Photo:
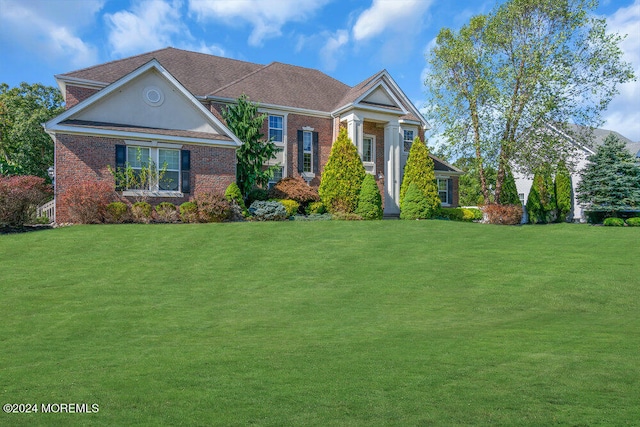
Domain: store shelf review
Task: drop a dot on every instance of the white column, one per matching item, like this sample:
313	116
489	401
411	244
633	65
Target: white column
354	129
392	170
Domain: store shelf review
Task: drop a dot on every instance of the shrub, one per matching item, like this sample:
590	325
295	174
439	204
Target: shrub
294	189
87	202
233	195
633	222
268	211
471	214
167	212
342	176
562	187
509	193
503	214
142	212
369	200
291	206
189	212
415	204
419	171
19	198
313	217
316	208
257	194
213	208
541	203
613	222
346	216
453	214
116	212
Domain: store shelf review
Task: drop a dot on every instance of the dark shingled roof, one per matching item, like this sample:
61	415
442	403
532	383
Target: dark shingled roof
139	129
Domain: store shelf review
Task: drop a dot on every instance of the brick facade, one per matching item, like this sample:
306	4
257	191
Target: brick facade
77	94
86	158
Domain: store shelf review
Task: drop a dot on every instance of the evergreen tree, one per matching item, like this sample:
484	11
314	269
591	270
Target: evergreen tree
419	171
563	191
611	180
509	194
245	122
415	205
369	201
541	203
342	176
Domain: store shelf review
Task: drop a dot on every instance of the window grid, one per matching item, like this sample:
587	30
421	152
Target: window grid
407	140
275	128
367	150
307	151
443	190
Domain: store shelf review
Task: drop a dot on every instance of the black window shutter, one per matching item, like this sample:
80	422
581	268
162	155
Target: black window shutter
300	151
121	160
316	162
185	170
450	191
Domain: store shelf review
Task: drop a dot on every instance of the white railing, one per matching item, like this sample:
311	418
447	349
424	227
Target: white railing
48	210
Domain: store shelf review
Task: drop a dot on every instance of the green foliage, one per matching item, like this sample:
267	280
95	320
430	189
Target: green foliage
495	83
470	185
189	212
452	214
509	193
233	195
257	194
611	180
245	122
268	211
313	217
541	203
315	208
142	212
419	171
613	222
139	180
291	206
472	214
563	189
346	216
342	176
116	212
415	205
167	212
633	222
369	201
25	148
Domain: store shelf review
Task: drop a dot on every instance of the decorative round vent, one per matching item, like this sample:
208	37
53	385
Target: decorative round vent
153	96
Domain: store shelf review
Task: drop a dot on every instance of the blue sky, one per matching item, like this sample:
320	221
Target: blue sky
348	39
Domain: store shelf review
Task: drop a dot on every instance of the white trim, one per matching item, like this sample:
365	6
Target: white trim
370	167
155	65
282	109
152	193
153	144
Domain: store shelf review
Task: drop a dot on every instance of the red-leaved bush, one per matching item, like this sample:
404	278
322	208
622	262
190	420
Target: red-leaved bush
212	207
503	214
19	198
87	203
294	189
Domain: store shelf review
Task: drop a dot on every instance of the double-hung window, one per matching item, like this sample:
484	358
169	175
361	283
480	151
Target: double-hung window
153	169
307	151
407	139
443	190
168	169
367	149
276	128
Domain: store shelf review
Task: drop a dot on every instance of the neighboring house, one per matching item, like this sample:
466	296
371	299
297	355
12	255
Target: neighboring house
166	105
597	137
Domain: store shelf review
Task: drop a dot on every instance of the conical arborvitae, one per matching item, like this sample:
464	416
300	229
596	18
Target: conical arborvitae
509	193
342	176
415	204
419	171
369	201
563	191
541	203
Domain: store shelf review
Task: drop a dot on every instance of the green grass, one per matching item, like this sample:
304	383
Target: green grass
326	323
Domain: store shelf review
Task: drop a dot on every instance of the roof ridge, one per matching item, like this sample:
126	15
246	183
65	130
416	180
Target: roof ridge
236	81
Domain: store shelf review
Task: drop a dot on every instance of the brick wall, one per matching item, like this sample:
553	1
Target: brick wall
76	94
85	158
323	126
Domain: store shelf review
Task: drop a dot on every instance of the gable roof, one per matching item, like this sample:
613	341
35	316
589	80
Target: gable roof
214	133
278	84
592	138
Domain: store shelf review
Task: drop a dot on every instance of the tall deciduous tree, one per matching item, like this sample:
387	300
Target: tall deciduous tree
419	170
245	122
562	184
611	180
25	148
498	82
342	176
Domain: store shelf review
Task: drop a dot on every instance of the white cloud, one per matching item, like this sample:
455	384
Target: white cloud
51	30
399	16
623	114
266	16
332	48
149	25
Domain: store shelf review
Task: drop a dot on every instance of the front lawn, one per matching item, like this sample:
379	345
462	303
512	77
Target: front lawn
323	323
